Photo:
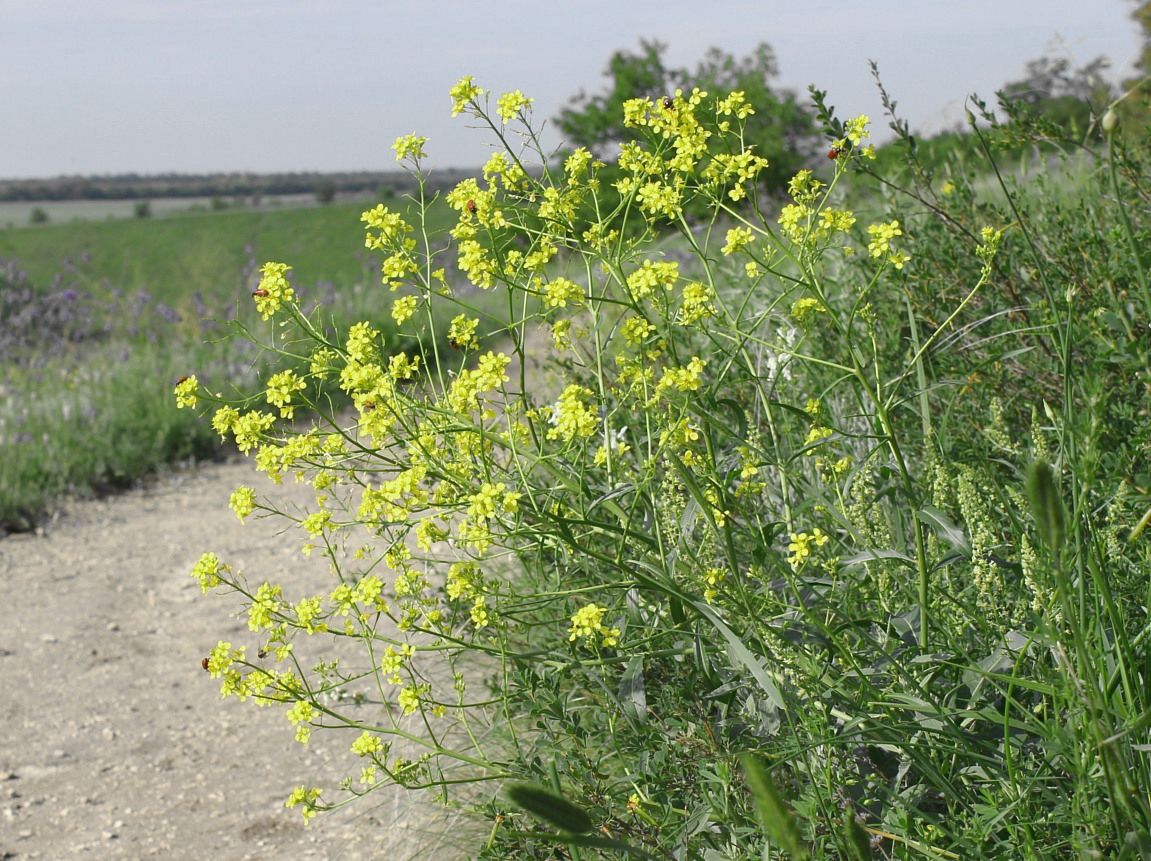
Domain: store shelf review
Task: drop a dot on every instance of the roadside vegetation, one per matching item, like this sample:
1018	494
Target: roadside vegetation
820	534
671	513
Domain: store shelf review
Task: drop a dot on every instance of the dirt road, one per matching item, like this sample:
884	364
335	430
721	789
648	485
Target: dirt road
114	742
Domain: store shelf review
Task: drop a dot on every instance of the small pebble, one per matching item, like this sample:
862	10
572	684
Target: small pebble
113	626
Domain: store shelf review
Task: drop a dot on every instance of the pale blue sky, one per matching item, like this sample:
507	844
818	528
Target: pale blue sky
103	86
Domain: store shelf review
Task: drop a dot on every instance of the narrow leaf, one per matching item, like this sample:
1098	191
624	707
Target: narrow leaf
774	815
550	807
857	840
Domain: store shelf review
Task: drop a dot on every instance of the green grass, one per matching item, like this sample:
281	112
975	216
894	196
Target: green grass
86	404
209	253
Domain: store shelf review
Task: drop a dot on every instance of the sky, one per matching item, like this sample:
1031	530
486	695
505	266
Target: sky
150	86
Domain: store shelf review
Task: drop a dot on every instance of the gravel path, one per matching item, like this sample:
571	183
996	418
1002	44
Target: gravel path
114	742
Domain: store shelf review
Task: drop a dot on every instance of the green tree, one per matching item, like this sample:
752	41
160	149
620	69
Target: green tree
325	191
1054	91
782	129
1135	108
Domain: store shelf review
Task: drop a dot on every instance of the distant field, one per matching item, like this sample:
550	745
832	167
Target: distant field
15	214
210	253
113	312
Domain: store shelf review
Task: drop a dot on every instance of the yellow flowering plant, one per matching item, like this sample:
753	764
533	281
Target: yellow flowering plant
521	528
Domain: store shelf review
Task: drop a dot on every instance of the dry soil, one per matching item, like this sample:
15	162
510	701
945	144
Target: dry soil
114	742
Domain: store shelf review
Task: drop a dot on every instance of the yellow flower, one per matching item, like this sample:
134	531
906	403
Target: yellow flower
881	236
697	303
280	389
224	420
410	146
185	392
242	502
510	104
738	238
367	744
207	571
559	292
273	290
571	416
464	93
403	309
462	332
587	624
685	379
799	549
266	602
305	797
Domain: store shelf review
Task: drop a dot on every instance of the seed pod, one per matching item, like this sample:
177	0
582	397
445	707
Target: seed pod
1046	504
1110	121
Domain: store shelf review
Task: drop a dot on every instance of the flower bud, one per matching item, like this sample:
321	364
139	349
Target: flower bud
1110	121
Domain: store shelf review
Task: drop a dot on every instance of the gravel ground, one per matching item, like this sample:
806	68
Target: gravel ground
114	742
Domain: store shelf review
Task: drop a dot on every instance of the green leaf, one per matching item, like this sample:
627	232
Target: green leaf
774	815
857	840
741	654
945	530
632	691
550	807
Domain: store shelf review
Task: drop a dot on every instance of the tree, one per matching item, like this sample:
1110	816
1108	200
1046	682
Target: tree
1052	90
782	130
325	191
1136	107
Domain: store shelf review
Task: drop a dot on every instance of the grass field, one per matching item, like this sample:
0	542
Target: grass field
18	213
98	319
210	253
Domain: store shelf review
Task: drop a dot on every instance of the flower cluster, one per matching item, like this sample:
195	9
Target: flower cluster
273	290
587	626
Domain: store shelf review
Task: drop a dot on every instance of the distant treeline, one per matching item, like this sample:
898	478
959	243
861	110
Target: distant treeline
133	186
